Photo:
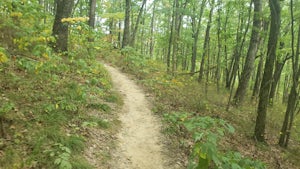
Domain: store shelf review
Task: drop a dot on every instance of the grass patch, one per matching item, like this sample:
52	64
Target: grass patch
99	106
96	122
42	97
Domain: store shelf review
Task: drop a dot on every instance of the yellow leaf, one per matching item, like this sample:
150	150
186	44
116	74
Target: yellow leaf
16	14
203	155
78	28
3	57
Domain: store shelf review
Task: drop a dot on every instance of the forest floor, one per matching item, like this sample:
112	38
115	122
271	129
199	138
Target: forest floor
139	142
172	98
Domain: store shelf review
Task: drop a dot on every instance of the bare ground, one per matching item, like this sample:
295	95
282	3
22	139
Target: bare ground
139	142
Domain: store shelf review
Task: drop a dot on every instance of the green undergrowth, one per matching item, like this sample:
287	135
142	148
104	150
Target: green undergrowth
44	109
190	115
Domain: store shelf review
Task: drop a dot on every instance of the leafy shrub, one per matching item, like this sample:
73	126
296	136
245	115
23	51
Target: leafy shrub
206	132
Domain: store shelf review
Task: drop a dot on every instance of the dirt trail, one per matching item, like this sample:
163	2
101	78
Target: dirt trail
140	138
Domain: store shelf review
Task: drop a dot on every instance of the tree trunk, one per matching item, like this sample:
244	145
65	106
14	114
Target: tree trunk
177	24
175	34
226	71
152	43
171	39
234	65
277	73
195	35
120	42
294	95
286	86
132	39
92	13
289	117
60	30
218	69
126	33
259	72
258	77
251	54
206	42
92	18
268	71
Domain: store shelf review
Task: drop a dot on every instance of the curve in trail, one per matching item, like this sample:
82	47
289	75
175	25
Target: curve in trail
139	139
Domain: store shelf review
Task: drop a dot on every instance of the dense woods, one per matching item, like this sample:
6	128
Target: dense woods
247	49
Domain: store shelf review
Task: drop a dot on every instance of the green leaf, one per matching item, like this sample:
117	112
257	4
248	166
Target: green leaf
6	107
235	166
57	161
230	128
65	165
198	136
203	161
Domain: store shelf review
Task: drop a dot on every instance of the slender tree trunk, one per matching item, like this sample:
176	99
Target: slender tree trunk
152	43
218	69
238	48
92	13
171	39
126	34
268	71
177	24
206	42
143	44
251	54
60	30
235	58
195	35
286	87
276	77
175	35
120	42
226	72
289	117
133	36
258	78
92	18
294	95
259	72
43	4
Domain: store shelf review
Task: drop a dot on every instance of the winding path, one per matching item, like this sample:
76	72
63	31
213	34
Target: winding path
140	138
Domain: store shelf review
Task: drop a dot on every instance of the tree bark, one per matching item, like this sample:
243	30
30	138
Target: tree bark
259	72
251	54
126	33
152	43
206	42
171	37
132	39
175	34
258	77
276	77
60	30
289	117
294	95
240	40
286	86
218	70
195	35
268	71
92	13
